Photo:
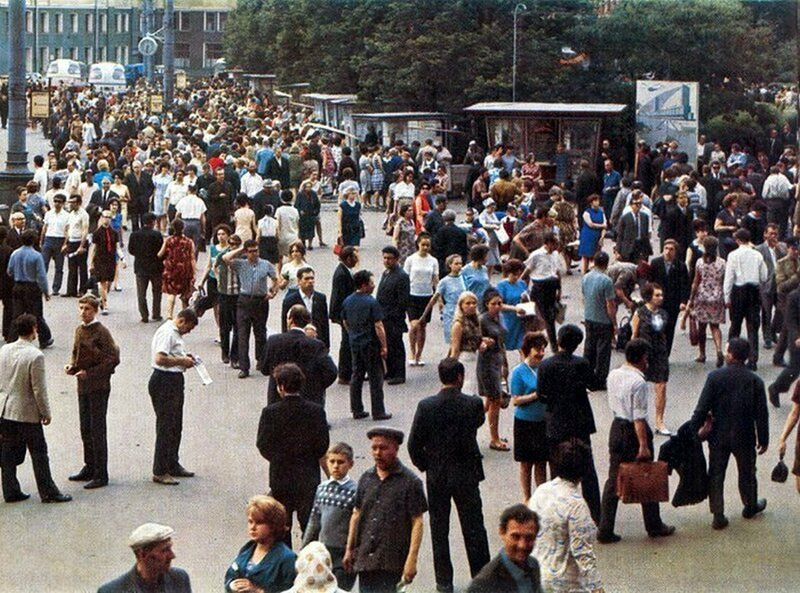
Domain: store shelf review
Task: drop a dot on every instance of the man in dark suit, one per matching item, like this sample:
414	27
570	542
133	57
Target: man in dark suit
771	250
443	444
585	185
315	302
393	293
278	168
774	146
293	436
144	245
6	283
671	273
219	202
564	380
735	398
449	240
310	354
633	231
677	223
343	286
140	188
518	528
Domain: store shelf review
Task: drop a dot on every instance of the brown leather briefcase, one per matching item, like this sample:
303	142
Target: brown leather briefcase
643	481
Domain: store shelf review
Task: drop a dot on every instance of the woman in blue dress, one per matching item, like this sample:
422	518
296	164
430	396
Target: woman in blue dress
447	292
350	219
476	274
594	225
514	291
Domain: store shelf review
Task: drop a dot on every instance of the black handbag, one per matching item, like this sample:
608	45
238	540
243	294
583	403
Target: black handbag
624	333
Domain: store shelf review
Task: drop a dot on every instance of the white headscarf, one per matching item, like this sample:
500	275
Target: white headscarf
314	573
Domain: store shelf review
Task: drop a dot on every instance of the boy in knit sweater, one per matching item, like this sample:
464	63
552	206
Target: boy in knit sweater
333	506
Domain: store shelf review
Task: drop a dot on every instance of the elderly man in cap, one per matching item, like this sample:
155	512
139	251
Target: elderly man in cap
386	525
152	545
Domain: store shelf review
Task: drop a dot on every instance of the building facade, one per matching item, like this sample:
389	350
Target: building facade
93	31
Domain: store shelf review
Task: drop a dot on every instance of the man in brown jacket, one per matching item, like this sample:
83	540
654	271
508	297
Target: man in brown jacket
95	355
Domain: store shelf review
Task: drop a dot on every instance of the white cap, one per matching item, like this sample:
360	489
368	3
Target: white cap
488	202
149	533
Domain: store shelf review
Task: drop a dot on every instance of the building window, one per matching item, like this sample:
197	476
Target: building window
103	54
104	23
89	23
118	22
211	21
211	53
28	21
59	23
44	23
118	54
125	55
89	55
223	18
28	59
183	21
44	58
73	21
73	53
182	55
59	53
126	22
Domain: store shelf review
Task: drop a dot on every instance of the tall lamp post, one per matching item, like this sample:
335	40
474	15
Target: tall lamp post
517	9
148	29
169	53
16	171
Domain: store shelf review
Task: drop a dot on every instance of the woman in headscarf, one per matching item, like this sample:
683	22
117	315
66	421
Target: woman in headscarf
314	574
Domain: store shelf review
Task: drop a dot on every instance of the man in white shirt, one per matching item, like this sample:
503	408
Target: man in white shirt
251	181
40	173
76	232
169	361
630	439
53	239
543	267
193	212
777	193
745	272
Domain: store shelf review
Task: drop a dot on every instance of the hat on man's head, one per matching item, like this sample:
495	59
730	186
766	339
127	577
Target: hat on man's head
388	432
488	202
149	533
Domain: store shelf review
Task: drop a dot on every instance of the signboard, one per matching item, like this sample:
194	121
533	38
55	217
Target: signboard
180	80
156	103
668	110
40	104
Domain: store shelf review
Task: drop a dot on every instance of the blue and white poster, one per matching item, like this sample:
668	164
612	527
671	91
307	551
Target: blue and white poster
668	110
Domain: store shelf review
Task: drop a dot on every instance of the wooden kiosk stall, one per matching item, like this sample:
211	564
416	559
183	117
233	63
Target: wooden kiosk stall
539	127
405	126
325	106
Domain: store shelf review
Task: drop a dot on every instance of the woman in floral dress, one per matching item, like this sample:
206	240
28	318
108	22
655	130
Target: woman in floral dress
404	235
706	303
179	267
566	221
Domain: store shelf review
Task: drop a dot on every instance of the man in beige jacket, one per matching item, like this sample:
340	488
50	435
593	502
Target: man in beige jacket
24	410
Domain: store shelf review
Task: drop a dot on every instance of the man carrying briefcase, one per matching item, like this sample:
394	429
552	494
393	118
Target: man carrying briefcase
630	439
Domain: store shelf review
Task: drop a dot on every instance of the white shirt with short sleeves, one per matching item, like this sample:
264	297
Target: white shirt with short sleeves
56	223
191	208
628	393
422	273
169	341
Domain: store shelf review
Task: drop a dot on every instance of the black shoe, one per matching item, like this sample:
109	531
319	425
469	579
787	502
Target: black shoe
360	415
720	521
46	344
663	531
96	483
159	318
57	498
608	538
396	381
767	344
84	475
244	374
444	588
225	359
144	320
383	416
18	497
750	512
774	397
778	362
235	364
720	359
341	381
181	472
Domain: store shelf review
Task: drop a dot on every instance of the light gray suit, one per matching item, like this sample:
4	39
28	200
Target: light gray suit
770	326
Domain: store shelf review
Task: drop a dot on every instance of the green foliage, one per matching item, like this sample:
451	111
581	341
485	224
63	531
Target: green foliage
739	126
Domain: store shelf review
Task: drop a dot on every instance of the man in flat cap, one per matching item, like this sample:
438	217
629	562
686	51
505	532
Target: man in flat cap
386	525
152	545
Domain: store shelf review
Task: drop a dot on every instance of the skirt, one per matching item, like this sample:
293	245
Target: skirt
416	307
490	375
469	360
268	249
530	441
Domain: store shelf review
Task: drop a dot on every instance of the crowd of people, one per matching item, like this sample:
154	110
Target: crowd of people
238	185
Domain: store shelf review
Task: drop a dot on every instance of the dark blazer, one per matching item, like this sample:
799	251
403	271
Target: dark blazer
563	384
627	238
144	245
442	440
97	198
293	436
393	295
14	239
309	354
342	286
792	317
448	240
140	191
6	281
676	285
495	578
319	313
279	171
780	253
676	225
175	581
736	398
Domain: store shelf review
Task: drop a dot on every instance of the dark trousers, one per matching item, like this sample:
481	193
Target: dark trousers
345	361
718	456
378	581
135	217
92	409
470	514
51	250
768	322
778	213
623	446
746	306
141	295
227	326
779	325
300	500
8	310
543	293
367	359
790	372
396	349
27	298
251	313
166	393
30	436
78	276
344	579
590	485
597	350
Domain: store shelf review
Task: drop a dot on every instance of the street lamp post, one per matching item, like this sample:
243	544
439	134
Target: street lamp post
169	53
148	29
16	172
517	9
